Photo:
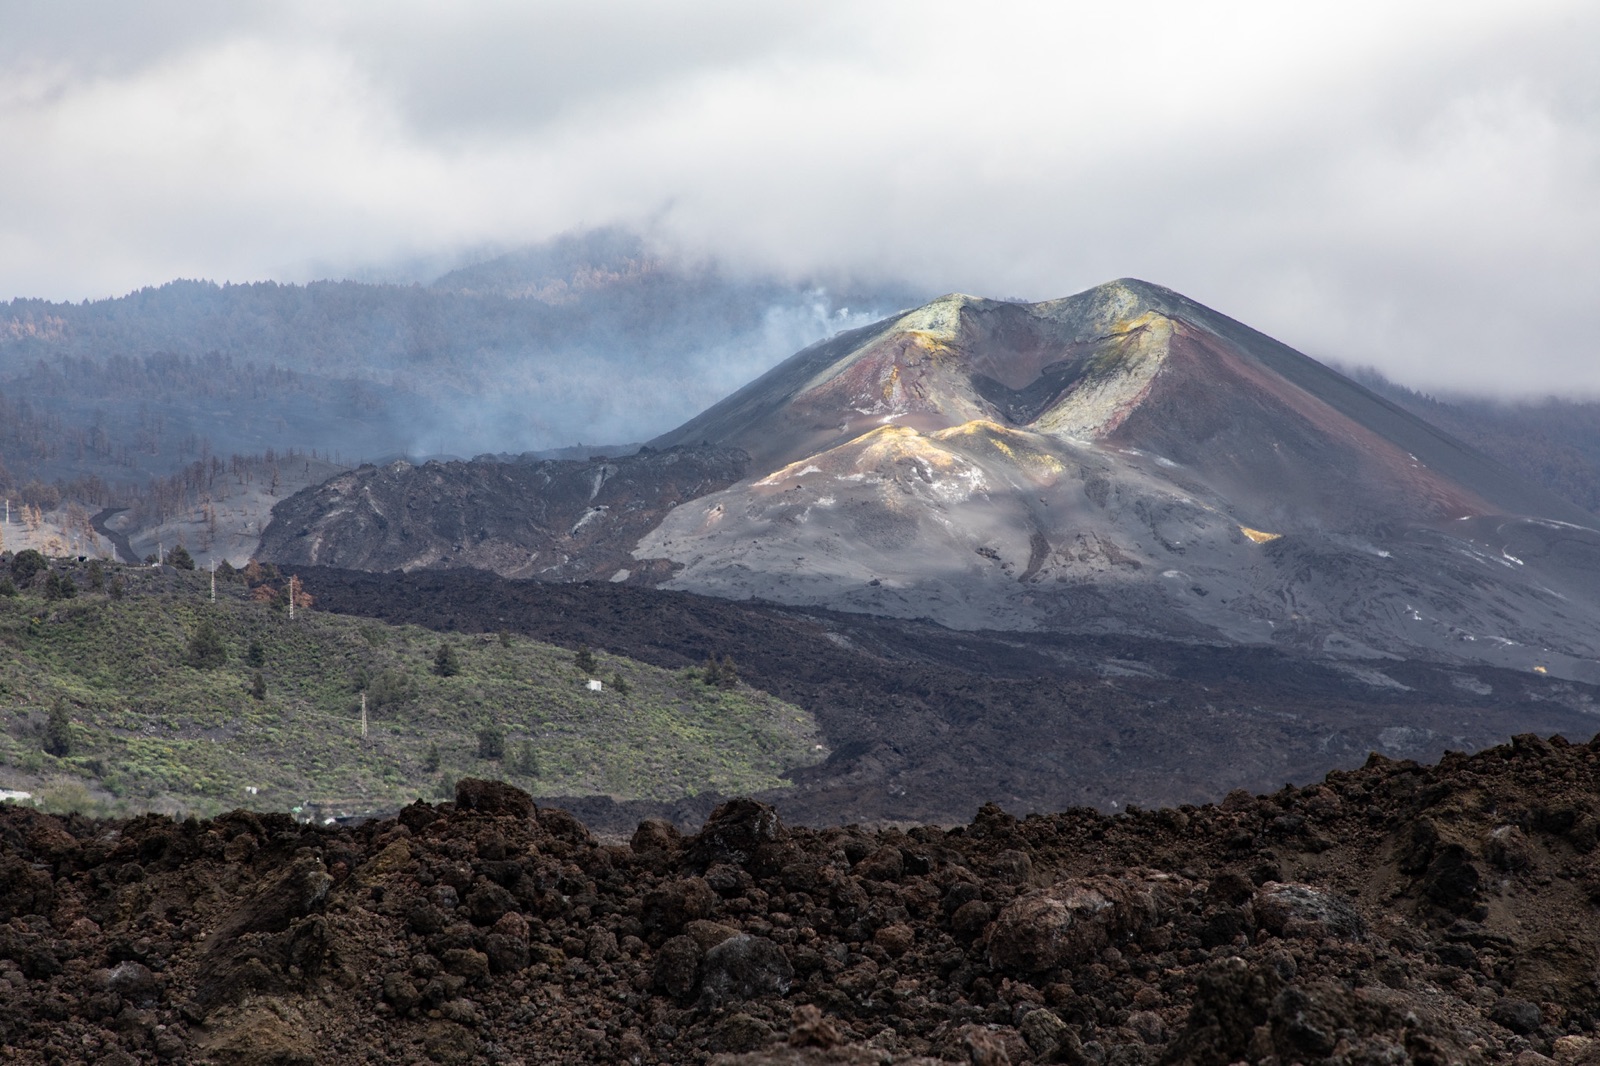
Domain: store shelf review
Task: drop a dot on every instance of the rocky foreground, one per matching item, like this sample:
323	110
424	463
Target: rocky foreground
1393	914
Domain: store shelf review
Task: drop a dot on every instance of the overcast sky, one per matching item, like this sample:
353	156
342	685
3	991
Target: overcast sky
1414	186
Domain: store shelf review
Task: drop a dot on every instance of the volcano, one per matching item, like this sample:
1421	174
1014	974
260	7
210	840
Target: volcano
1134	369
1123	461
1128	460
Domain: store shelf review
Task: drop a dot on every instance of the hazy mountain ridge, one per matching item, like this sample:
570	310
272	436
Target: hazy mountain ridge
521	351
518	353
1556	441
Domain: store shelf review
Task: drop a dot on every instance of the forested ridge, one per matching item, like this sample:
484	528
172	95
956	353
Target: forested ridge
587	339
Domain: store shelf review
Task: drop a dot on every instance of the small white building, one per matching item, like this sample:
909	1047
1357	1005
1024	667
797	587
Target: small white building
595	686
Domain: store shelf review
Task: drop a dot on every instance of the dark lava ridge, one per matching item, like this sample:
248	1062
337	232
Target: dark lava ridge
547	519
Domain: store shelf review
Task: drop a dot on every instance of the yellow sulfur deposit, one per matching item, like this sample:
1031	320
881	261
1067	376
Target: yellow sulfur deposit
1258	536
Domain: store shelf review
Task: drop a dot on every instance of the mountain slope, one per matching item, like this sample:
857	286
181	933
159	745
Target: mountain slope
1120	461
352	716
1130	364
554	520
1136	462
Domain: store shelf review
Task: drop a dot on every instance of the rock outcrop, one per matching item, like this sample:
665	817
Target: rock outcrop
553	520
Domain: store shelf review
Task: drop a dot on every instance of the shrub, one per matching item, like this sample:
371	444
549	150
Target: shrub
97	575
491	743
258	686
206	649
619	683
26	564
527	760
7	587
720	672
59	586
180	559
445	663
584	660
430	762
59	736
391	688
119	587
255	655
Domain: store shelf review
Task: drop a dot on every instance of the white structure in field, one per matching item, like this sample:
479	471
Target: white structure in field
595	686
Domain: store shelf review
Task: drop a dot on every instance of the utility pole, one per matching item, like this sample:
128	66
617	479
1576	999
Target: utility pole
363	716
291	597
213	581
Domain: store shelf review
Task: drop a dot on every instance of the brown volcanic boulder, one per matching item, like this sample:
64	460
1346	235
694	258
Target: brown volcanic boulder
675	903
296	893
655	835
492	797
24	889
744	966
1075	920
734	831
677	966
272	941
1302	911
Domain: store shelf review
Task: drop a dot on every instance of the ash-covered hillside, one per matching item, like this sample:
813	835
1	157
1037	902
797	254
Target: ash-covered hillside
554	520
1394	914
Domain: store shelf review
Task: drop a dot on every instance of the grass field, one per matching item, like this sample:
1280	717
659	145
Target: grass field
151	728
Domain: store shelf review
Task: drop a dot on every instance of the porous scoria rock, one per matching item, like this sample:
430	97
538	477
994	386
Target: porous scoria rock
1385	915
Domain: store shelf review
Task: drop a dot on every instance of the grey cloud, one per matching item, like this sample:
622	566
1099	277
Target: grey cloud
504	71
1410	186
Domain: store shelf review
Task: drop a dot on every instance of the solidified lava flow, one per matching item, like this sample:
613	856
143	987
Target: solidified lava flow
1391	914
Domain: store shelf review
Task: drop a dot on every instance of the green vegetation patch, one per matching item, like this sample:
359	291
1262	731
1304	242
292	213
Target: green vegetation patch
158	699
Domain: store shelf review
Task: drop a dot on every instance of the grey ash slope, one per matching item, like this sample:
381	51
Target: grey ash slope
554	520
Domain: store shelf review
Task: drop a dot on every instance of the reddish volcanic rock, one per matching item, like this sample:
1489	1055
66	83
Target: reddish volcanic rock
1210	934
